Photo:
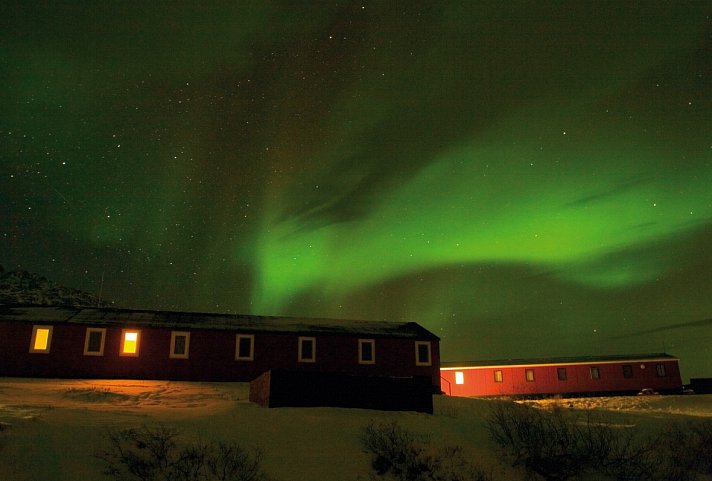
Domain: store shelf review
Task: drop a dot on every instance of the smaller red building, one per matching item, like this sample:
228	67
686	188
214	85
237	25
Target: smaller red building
595	375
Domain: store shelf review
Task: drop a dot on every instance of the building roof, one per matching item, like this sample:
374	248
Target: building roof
559	360
194	320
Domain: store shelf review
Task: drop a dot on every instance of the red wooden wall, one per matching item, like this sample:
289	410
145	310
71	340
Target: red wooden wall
211	355
480	381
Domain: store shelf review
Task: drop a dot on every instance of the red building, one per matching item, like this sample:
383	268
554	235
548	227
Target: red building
71	342
574	375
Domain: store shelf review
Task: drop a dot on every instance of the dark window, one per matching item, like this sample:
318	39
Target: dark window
660	369
422	353
498	376
179	345
595	373
307	349
245	347
529	374
627	371
561	373
94	342
366	351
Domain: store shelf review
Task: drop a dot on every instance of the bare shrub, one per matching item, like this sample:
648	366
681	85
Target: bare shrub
685	451
406	456
558	445
702	433
3	427
153	453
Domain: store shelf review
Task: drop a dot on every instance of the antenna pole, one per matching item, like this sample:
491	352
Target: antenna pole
101	290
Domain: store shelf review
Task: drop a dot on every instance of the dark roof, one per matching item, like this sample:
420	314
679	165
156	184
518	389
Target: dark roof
560	360
194	320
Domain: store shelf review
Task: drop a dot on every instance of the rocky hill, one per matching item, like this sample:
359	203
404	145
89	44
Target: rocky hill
22	287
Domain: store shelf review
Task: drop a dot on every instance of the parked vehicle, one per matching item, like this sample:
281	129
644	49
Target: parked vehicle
647	391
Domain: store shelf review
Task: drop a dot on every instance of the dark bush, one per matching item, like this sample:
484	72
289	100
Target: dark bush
558	445
684	451
154	454
702	433
399	454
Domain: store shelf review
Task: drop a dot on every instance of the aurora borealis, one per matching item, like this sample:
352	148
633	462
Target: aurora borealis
522	179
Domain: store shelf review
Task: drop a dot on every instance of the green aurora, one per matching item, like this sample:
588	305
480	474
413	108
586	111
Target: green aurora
522	179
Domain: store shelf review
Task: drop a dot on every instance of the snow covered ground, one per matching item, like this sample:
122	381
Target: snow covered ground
51	428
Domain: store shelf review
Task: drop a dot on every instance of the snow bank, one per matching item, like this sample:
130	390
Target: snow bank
52	427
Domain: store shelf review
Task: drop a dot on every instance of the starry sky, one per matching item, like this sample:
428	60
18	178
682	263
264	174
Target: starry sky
525	179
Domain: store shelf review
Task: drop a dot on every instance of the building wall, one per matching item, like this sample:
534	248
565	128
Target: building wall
480	381
211	355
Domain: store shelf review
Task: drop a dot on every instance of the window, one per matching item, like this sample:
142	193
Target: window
180	343
41	339
307	349
459	377
498	375
529	374
660	368
595	373
627	371
422	353
130	340
366	351
245	347
561	373
94	341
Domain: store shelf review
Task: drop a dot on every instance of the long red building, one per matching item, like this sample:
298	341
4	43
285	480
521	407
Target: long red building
621	374
72	342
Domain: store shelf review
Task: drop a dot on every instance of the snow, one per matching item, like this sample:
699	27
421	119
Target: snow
50	428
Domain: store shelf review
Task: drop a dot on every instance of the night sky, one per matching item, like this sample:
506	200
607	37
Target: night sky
522	179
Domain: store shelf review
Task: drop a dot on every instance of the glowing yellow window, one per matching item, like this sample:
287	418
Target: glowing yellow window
130	342
459	377
41	339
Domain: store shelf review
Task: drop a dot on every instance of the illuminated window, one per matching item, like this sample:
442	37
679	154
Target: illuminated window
459	377
498	375
41	339
366	351
180	342
245	347
529	374
307	349
94	341
130	340
561	373
595	373
660	369
422	353
627	371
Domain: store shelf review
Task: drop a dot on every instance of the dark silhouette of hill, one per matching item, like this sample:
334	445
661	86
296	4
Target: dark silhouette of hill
22	287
